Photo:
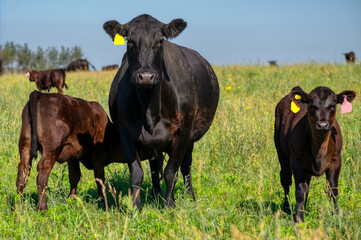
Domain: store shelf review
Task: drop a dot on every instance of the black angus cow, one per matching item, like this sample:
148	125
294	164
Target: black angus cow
350	57
162	99
309	142
273	63
79	64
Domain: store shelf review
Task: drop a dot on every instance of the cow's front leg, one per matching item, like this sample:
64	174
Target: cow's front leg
135	168
45	166
302	189
332	175
176	157
74	175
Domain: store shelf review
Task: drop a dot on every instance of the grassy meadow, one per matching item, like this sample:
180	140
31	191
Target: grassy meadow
235	169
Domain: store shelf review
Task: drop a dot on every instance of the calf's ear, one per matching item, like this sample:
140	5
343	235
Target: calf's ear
113	27
348	93
298	96
174	28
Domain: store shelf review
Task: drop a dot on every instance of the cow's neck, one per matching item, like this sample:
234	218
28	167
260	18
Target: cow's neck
149	102
321	146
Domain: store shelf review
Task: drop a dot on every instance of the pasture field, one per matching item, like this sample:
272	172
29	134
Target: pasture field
235	169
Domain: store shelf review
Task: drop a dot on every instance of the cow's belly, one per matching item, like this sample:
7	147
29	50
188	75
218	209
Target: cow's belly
158	141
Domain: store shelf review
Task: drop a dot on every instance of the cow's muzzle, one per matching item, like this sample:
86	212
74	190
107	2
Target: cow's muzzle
322	126
146	79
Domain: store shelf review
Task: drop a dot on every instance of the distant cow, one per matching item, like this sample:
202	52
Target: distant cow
44	80
273	63
309	142
110	67
79	64
67	129
162	99
350	57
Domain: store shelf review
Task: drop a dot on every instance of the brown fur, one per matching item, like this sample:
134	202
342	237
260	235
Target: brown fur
309	142
110	67
44	80
65	129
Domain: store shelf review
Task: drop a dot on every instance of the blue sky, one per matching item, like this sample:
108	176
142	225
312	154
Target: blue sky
224	31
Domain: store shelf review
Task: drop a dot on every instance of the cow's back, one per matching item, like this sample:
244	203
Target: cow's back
70	118
285	122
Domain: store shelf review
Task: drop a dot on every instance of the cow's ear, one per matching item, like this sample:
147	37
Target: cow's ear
174	28
113	27
298	96
348	93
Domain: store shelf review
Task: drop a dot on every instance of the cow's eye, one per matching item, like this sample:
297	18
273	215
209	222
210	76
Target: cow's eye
312	107
130	44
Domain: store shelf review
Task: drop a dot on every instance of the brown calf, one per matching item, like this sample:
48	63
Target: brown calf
67	129
44	80
110	67
309	142
350	57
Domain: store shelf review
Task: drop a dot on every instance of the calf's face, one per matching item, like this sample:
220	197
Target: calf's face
321	104
144	35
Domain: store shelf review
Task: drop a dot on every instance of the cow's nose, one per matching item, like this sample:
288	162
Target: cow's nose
324	125
146	78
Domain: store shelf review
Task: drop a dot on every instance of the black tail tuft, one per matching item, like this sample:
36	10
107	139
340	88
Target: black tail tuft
33	99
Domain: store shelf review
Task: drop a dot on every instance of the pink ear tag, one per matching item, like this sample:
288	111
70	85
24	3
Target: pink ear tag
27	74
346	106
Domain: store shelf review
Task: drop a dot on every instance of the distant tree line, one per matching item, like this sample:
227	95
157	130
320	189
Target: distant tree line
16	57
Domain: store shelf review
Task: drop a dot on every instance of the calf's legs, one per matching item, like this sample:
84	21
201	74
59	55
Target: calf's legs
45	166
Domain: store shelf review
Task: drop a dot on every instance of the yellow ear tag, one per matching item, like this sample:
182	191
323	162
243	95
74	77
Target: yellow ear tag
119	39
294	107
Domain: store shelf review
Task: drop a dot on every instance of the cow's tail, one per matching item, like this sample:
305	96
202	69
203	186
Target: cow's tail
91	65
64	75
33	100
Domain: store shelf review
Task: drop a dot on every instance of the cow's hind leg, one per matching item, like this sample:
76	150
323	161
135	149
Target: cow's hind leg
156	165
186	172
45	166
286	179
25	163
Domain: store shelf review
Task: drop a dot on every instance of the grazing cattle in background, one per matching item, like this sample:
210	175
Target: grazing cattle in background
79	64
273	63
44	80
110	67
309	142
162	99
350	57
67	129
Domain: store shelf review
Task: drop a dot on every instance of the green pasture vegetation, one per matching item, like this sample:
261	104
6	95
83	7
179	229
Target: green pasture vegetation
235	169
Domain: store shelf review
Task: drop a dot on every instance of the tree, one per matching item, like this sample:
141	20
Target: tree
76	53
52	57
23	57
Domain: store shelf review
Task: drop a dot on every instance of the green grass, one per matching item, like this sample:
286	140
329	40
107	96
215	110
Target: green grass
235	169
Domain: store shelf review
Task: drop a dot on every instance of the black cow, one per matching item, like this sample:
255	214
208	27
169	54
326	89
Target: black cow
162	99
79	64
273	63
350	57
309	142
